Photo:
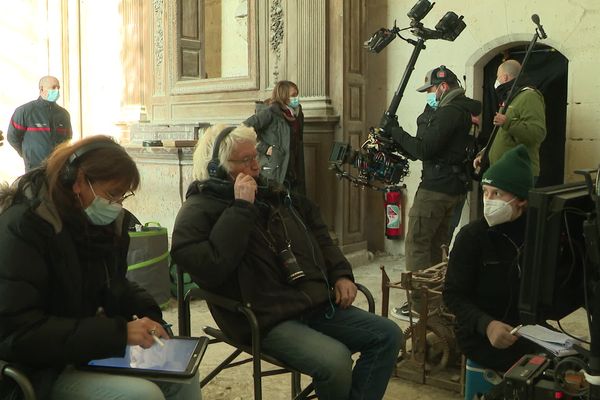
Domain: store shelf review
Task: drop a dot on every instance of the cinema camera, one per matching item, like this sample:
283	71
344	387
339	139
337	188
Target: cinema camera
379	158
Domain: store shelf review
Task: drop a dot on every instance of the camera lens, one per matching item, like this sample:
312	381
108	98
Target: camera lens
291	266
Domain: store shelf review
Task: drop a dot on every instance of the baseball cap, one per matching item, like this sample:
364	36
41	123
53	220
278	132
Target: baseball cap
437	76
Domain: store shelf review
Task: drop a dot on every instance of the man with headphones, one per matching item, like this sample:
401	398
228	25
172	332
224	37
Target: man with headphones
441	143
266	247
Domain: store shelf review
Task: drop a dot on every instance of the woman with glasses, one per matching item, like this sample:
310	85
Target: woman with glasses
279	125
64	298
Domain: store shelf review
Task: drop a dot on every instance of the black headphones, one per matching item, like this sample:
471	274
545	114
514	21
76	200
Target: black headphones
69	174
215	170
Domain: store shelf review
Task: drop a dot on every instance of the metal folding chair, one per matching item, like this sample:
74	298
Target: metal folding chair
7	370
183	300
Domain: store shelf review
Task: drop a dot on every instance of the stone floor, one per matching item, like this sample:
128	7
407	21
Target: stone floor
236	383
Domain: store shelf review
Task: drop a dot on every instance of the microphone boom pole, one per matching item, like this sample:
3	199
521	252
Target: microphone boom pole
485	159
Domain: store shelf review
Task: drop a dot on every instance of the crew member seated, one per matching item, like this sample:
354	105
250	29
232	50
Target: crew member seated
271	249
483	275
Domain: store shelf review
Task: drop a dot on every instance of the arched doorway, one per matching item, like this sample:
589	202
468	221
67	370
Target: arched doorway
547	70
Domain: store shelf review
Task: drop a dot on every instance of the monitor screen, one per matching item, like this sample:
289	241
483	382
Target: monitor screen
554	256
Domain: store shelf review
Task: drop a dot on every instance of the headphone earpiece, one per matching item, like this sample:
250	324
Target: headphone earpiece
214	167
69	173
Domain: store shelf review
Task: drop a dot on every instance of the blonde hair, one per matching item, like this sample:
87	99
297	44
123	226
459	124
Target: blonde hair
281	93
204	150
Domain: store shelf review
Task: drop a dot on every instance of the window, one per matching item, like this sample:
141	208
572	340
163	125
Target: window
212	39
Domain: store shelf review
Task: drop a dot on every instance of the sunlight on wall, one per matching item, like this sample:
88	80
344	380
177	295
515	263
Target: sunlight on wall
234	45
102	75
31	32
23	27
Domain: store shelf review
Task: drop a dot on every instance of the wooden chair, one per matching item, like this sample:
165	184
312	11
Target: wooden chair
183	300
7	370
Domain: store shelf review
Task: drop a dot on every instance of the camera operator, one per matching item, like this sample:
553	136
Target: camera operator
264	247
441	142
483	276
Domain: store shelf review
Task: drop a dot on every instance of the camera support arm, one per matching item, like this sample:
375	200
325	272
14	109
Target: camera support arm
390	114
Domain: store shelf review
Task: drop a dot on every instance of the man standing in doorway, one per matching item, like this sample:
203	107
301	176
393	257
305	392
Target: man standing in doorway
524	121
441	141
37	127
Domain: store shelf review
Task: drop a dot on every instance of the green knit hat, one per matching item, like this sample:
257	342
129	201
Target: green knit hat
511	173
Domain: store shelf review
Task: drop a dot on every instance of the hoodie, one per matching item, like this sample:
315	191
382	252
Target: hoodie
441	142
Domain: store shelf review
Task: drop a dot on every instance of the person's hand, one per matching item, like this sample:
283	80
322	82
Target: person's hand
499	119
388	125
140	331
270	151
475	119
477	162
499	335
244	187
345	292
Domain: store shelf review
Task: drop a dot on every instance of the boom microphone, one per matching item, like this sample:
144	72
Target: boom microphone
536	20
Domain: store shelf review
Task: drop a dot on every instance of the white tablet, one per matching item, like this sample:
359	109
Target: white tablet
179	357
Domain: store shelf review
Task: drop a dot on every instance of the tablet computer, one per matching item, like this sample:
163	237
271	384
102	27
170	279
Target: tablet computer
178	358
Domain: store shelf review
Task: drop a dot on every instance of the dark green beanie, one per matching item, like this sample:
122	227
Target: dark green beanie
511	173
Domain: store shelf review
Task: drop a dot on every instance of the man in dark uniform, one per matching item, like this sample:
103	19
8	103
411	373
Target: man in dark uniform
441	141
37	127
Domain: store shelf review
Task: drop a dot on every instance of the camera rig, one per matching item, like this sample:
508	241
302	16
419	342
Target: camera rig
379	158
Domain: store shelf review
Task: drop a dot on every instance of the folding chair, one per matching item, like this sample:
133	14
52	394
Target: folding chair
183	301
10	371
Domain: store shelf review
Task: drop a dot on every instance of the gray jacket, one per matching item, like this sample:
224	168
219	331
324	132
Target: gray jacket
273	129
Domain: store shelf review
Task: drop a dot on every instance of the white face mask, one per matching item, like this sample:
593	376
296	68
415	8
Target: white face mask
496	84
497	211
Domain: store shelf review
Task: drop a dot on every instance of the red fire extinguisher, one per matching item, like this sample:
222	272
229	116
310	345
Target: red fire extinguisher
393	213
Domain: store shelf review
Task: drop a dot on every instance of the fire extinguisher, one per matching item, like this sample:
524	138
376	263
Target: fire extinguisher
393	213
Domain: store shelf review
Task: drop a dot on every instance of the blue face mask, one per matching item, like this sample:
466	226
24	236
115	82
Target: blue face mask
102	211
294	102
432	100
53	95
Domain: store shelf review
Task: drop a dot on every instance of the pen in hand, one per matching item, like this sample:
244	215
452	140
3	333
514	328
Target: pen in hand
516	329
152	332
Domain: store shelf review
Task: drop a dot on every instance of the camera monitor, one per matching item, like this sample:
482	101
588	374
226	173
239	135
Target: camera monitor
554	255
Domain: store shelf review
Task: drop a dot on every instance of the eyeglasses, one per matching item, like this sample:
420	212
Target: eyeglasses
121	199
247	161
111	199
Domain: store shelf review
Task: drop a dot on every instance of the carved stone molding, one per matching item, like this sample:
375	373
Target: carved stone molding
276	33
159	43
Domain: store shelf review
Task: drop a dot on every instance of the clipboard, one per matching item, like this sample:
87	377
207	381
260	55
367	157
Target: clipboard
556	343
179	358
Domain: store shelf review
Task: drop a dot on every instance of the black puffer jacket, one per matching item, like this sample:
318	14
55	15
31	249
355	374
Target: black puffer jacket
482	285
36	128
55	273
226	247
441	143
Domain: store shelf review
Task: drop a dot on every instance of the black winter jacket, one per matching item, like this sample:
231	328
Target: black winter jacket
441	143
36	128
226	246
55	273
483	282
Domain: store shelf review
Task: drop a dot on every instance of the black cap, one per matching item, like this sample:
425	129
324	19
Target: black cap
437	76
